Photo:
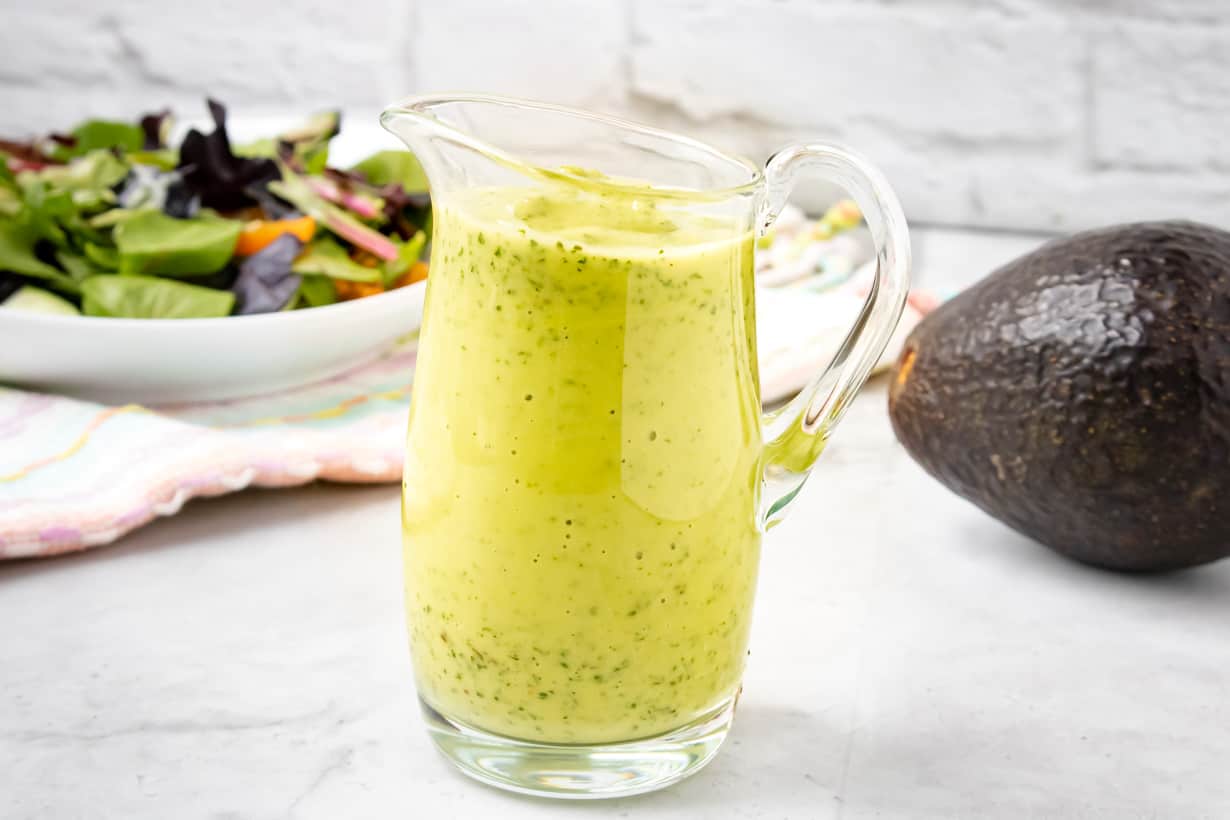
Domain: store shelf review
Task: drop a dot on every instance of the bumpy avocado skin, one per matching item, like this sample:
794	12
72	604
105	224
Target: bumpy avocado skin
1081	394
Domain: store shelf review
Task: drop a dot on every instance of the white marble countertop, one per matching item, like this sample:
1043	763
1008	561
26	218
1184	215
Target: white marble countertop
911	658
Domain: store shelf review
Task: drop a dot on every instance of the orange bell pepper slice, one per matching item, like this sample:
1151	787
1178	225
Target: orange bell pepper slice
347	290
259	233
416	273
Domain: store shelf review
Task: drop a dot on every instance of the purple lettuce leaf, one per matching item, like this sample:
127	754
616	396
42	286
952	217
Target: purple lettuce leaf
266	283
25	155
154	127
211	169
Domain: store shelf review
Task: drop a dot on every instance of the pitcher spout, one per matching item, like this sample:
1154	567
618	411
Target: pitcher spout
470	140
422	135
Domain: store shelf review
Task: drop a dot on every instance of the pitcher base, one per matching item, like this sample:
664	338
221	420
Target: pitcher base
577	771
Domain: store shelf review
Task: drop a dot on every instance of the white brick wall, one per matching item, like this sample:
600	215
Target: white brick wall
1048	114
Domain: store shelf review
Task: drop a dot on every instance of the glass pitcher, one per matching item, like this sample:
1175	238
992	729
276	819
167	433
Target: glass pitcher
588	472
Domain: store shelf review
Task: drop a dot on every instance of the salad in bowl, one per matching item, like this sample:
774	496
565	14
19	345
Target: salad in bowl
132	269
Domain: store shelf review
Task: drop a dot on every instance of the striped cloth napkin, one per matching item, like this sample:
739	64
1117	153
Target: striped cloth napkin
75	475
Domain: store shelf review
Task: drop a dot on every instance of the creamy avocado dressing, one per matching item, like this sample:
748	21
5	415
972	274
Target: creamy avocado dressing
583	463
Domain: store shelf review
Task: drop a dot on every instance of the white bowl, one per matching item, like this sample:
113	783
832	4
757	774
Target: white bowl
152	361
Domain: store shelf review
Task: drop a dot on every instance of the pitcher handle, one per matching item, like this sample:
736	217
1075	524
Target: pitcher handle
795	435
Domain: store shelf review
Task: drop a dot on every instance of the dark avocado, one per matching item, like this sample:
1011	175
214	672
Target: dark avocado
1081	394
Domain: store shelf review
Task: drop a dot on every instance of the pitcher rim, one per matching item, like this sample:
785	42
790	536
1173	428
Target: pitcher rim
419	105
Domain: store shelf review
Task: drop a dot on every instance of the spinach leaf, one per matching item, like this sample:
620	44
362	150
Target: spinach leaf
146	297
325	257
80	231
153	243
95	134
89	178
95	171
102	256
43	210
266	282
17	256
76	265
55	199
317	291
400	167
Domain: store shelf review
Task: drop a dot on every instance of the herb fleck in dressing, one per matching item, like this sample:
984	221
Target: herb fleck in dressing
582	464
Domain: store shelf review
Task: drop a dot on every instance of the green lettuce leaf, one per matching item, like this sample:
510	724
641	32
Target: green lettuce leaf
10	201
112	217
147	297
408	253
264	148
325	257
102	256
400	167
310	141
307	143
44	208
10	192
17	256
164	159
317	291
77	266
93	135
153	243
94	171
55	199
